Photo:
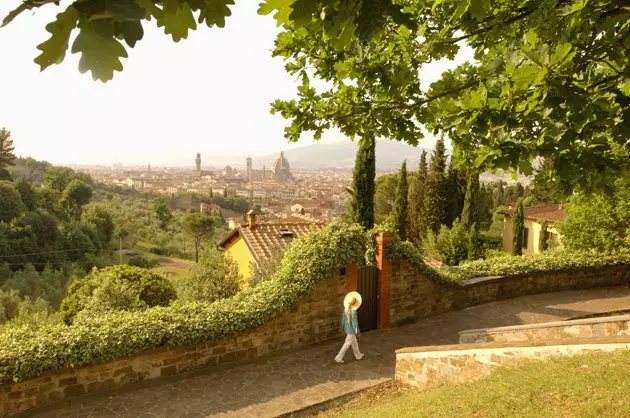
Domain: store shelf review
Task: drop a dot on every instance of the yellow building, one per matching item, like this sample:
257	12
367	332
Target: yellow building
553	214
252	243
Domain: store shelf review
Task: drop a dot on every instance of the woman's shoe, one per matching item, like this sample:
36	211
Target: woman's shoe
339	361
359	358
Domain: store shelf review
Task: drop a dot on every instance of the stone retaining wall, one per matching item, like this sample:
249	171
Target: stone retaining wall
424	366
416	296
313	320
583	328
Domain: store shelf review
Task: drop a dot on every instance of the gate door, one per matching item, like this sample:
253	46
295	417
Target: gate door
367	286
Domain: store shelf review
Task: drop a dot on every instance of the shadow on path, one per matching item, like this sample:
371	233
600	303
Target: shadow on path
274	385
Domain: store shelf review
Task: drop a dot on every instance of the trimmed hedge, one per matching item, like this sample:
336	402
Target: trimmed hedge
311	259
551	260
509	265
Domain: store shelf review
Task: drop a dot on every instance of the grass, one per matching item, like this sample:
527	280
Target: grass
589	385
173	267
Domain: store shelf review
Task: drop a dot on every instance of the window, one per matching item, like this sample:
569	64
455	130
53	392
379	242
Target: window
554	240
525	237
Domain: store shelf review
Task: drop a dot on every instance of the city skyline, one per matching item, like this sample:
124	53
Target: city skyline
156	110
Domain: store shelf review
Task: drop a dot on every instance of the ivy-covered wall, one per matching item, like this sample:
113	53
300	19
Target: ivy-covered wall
314	319
417	295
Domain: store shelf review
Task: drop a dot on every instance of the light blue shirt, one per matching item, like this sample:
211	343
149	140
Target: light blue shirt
350	327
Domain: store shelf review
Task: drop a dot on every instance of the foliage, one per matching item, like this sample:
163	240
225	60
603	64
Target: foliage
551	260
58	178
470	211
215	278
48	285
416	201
401	205
200	227
75	195
450	245
363	187
27	194
11	205
473	243
600	221
543	238
384	196
542	70
99	219
30	170
144	262
311	259
454	192
435	197
7	155
162	211
149	289
518	227
265	268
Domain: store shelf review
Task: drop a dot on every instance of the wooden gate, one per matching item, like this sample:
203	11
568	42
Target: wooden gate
367	286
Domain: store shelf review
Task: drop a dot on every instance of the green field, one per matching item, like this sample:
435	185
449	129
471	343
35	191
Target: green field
590	385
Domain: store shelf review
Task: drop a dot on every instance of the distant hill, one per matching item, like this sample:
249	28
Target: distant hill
341	155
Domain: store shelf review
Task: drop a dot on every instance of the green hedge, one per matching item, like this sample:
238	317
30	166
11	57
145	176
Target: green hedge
312	259
552	260
509	265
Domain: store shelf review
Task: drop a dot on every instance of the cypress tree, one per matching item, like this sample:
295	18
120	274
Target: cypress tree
363	187
518	228
416	202
401	204
435	202
470	212
543	243
473	243
455	189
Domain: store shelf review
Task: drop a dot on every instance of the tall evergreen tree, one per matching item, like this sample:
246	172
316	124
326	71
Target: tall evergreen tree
7	157
470	212
363	186
435	202
455	190
498	195
518	228
401	204
543	239
416	202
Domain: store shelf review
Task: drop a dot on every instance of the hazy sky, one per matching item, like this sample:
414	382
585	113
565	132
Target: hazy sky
209	93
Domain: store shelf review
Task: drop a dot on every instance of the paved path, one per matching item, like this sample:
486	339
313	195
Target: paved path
285	383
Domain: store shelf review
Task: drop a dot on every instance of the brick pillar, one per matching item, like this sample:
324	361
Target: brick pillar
384	266
352	277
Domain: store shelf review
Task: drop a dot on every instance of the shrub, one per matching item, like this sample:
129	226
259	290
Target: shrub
450	246
216	278
312	259
150	288
551	260
144	262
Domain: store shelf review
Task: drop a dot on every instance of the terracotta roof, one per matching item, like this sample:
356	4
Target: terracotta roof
263	240
550	213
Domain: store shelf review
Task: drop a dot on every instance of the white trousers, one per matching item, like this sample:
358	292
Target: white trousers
351	340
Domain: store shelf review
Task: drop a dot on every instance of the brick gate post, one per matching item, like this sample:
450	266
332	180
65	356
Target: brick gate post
384	266
352	277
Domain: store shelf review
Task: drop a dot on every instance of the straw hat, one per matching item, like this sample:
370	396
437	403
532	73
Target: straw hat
348	299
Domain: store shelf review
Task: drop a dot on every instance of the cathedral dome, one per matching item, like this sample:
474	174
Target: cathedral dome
281	163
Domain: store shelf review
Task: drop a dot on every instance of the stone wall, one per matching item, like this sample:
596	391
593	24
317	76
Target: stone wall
583	328
313	320
414	295
424	366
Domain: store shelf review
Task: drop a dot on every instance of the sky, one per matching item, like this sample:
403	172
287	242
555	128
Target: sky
209	93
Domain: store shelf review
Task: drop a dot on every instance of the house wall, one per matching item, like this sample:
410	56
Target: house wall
533	236
240	253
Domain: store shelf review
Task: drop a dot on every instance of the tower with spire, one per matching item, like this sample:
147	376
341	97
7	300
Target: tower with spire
198	164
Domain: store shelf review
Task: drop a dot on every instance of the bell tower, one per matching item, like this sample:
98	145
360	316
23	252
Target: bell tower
198	164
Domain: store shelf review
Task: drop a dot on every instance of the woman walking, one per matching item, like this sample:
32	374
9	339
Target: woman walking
350	325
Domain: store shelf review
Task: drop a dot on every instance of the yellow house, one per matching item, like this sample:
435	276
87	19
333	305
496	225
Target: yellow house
252	243
553	214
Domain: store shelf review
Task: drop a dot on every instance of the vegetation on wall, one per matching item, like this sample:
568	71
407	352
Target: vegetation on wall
311	259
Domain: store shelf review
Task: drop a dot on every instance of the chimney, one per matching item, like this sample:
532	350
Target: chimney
251	218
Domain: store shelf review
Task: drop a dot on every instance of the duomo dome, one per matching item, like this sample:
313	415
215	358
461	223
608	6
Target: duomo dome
281	168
